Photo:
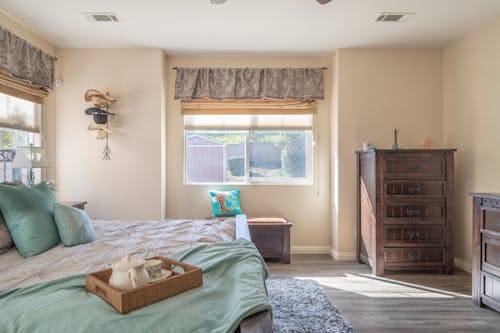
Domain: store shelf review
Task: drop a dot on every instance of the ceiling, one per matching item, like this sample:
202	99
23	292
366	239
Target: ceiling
251	26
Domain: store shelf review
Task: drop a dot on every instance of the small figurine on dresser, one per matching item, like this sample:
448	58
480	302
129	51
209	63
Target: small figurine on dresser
425	143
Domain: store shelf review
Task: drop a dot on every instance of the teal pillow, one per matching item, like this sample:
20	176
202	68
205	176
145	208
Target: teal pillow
225	203
27	211
73	224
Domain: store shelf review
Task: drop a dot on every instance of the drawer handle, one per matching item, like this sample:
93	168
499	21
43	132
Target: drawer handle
413	212
413	168
414	190
414	257
414	235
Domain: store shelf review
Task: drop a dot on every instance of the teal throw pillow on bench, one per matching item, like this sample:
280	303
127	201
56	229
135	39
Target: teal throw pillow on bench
73	224
225	203
27	211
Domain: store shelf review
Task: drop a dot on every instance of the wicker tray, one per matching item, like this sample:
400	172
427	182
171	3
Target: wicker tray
126	301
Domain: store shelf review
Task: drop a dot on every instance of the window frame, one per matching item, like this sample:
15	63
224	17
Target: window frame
31	135
307	181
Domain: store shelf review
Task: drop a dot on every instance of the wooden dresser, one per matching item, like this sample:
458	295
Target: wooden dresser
486	250
405	209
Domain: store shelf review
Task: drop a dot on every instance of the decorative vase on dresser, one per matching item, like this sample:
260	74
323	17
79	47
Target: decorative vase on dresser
486	250
405	209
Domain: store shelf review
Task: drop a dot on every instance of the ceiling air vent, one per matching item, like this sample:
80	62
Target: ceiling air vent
101	17
393	17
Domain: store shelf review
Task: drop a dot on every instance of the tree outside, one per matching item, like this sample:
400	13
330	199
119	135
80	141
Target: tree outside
293	156
6	139
10	139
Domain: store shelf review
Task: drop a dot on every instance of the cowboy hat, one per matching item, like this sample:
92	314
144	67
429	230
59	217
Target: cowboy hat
100	116
92	93
101	132
95	127
98	99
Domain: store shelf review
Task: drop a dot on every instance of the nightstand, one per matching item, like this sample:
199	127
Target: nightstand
271	236
76	204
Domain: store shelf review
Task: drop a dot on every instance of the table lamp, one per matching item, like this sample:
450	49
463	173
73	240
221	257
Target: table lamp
30	158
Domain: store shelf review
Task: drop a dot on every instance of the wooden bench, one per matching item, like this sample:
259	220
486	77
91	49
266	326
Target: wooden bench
271	236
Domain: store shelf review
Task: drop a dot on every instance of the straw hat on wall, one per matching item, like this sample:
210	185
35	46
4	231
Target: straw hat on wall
98	99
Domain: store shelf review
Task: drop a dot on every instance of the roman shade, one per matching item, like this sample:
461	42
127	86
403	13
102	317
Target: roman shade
20	89
25	70
265	106
249	122
249	83
248	114
19	114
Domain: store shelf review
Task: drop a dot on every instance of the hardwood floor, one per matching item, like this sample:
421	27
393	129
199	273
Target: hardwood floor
404	302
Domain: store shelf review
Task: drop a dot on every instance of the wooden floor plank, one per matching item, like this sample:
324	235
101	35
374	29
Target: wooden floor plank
397	302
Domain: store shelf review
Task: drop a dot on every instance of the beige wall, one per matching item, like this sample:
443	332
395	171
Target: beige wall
334	164
49	107
129	185
379	90
471	122
451	97
25	32
308	207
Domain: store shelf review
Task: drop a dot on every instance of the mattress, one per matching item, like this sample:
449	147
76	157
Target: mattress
115	239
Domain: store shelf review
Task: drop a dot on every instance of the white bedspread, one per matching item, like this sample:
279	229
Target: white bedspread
114	239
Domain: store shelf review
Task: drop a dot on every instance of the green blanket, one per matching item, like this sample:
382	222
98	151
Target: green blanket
233	288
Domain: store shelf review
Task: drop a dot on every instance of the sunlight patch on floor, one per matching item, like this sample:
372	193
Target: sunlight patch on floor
373	286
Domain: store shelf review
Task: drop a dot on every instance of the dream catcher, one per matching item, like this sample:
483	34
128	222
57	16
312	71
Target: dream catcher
100	117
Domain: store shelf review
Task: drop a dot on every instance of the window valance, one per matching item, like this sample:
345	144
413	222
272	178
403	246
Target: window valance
206	107
249	83
26	63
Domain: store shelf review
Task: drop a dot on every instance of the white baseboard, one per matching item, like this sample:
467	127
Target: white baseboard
343	256
340	256
351	256
310	249
462	264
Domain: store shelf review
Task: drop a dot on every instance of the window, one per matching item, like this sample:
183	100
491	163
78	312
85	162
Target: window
19	126
248	149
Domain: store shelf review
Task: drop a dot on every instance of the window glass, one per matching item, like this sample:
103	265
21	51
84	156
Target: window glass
17	113
278	155
215	156
248	156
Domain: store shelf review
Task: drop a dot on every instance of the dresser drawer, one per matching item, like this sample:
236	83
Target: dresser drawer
425	257
490	290
418	213
407	236
431	168
490	255
492	220
404	189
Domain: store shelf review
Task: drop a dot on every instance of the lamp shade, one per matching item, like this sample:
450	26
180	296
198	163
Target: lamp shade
30	157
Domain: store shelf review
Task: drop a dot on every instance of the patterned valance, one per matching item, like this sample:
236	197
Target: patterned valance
23	61
249	83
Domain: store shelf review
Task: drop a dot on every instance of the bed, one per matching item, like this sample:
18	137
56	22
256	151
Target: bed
142	239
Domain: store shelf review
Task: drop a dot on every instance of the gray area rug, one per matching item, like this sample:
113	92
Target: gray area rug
303	306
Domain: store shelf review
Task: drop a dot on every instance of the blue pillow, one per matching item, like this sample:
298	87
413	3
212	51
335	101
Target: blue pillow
73	224
225	203
27	211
